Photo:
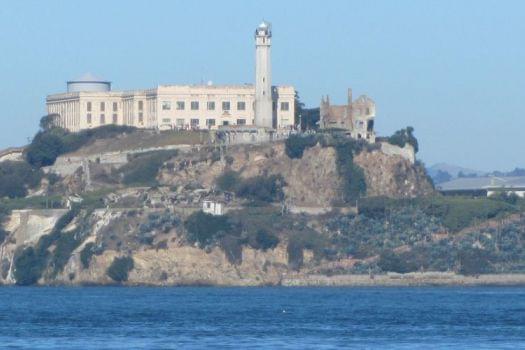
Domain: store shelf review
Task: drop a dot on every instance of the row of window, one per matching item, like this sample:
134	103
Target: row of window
194	122
89	106
210	106
181	105
102	118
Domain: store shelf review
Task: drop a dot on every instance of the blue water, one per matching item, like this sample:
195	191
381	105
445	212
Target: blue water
294	318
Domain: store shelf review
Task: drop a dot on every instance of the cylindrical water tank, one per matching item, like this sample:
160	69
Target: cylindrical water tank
89	83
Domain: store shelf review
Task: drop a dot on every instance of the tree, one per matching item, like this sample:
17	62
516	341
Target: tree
16	178
119	269
205	229
228	181
44	149
49	121
298	109
474	261
441	176
402	137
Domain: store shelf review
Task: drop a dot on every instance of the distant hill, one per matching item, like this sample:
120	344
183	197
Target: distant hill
443	172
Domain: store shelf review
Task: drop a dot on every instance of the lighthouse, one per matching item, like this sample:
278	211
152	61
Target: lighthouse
263	76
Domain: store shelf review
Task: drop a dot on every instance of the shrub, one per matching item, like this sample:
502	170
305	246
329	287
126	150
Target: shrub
402	137
353	177
205	229
264	240
390	261
296	144
232	247
143	168
44	149
28	266
64	246
295	253
119	269
473	261
261	188
31	262
16	178
228	181
51	142
86	254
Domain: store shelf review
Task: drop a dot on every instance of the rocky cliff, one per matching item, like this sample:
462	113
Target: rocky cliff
147	222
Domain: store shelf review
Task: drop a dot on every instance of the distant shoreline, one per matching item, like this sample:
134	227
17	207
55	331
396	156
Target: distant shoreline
414	279
409	280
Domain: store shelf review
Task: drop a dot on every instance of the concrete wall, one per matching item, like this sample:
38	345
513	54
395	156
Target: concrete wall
406	152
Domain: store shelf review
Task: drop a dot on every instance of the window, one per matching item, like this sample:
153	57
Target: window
141	105
115	106
180	122
241	106
225	122
88	118
115	118
180	105
285	106
102	119
166	105
226	105
88	107
211	106
141	118
210	122
194	105
166	120
368	111
241	121
194	122
102	106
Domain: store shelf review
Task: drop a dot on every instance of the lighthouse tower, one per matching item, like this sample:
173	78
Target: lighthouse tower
263	74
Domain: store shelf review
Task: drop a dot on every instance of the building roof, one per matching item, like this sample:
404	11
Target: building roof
88	78
482	183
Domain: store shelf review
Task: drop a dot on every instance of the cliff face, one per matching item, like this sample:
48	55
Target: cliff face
393	175
162	255
311	181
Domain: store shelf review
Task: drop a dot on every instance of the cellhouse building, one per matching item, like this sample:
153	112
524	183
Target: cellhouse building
89	101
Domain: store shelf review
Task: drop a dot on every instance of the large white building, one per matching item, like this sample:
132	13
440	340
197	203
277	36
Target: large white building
89	102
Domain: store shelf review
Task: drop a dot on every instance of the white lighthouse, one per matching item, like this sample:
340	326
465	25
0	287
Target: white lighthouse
263	76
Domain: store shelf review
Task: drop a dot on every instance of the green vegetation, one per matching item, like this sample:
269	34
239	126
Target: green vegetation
474	261
228	181
16	178
51	142
455	212
296	144
143	168
259	189
402	137
86	254
205	229
263	240
353	177
428	230
30	263
119	269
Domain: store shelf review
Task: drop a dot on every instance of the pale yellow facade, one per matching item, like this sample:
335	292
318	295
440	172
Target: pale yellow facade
169	107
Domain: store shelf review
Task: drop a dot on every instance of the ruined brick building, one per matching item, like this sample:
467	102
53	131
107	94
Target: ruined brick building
357	117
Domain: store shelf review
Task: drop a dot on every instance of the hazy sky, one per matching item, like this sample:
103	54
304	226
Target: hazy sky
452	69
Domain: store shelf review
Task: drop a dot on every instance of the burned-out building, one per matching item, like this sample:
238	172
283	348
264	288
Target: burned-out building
357	116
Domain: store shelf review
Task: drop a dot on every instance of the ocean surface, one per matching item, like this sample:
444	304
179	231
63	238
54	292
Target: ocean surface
240	318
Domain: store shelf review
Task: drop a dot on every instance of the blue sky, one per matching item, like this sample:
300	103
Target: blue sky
452	69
